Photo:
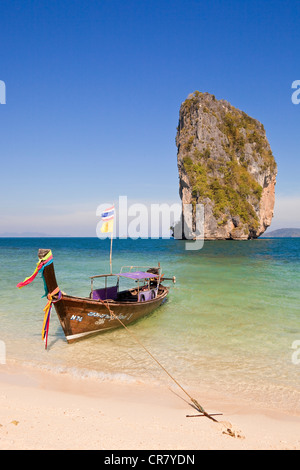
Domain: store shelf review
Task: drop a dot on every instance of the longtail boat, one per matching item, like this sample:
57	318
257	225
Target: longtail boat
105	308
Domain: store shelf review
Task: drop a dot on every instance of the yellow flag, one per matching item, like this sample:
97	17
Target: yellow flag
107	227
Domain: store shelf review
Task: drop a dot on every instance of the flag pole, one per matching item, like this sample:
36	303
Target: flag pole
111	241
108	227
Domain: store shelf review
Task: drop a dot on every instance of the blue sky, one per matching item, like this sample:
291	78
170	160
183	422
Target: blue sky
93	91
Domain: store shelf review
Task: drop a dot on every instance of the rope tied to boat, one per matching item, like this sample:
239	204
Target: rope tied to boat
47	311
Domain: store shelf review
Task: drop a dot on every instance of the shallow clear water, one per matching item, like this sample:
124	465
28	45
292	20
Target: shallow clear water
229	323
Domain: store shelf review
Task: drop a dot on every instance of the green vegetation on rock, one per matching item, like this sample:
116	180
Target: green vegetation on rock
230	193
226	157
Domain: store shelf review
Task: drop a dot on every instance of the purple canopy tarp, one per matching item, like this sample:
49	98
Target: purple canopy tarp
138	275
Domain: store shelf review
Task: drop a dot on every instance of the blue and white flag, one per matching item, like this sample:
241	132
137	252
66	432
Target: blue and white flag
108	214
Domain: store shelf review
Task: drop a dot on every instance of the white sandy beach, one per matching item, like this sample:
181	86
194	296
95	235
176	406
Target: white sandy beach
42	410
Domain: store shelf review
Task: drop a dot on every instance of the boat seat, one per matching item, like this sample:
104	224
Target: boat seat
147	295
105	293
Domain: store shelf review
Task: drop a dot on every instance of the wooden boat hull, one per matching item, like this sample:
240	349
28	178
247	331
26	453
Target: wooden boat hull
81	317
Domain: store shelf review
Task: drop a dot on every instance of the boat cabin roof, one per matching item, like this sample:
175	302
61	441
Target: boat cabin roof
137	275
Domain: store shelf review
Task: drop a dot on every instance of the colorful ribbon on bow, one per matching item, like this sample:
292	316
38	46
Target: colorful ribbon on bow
47	311
48	259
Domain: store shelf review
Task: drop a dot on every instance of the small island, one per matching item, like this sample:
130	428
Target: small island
283	233
225	162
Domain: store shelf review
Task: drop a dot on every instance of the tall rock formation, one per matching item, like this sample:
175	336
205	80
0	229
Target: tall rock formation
225	162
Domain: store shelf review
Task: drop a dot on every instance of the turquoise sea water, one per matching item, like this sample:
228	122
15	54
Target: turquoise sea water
229	324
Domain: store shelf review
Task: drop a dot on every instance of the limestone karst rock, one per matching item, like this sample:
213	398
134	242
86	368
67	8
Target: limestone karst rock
225	163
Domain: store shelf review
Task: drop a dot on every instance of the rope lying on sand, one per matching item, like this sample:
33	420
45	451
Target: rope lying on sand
195	403
226	426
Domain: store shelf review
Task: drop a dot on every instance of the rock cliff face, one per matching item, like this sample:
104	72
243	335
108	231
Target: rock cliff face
225	162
